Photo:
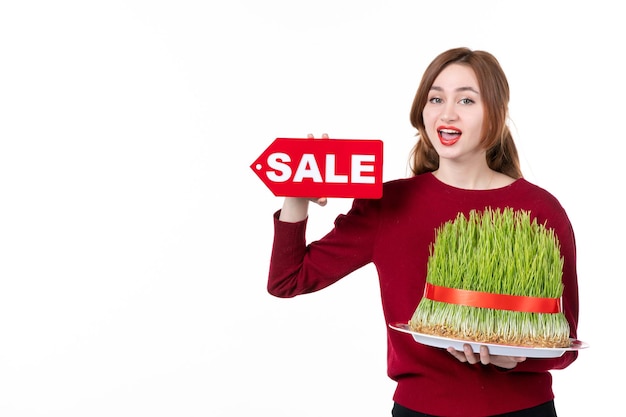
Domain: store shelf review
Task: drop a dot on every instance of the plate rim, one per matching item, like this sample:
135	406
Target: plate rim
575	344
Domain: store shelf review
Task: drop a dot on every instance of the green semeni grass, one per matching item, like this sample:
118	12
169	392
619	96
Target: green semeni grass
499	252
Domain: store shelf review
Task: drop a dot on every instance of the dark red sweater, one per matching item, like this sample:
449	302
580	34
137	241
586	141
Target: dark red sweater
394	233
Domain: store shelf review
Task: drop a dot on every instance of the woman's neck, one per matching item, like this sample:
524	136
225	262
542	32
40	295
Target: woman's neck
478	178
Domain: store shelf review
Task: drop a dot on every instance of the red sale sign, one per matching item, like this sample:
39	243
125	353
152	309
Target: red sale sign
322	167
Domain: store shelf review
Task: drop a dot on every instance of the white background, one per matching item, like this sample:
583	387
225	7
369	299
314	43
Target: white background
135	238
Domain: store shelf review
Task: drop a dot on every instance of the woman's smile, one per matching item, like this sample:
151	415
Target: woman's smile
448	136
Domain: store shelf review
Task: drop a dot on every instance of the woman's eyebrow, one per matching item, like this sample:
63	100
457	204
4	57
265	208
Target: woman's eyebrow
460	89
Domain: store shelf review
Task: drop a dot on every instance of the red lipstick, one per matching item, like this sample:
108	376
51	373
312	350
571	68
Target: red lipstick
448	135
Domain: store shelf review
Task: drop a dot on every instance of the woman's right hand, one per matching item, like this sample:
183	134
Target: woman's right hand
295	209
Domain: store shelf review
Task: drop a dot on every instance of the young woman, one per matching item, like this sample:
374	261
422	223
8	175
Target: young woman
464	159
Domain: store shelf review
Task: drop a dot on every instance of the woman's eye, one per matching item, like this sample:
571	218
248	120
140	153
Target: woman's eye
466	101
435	100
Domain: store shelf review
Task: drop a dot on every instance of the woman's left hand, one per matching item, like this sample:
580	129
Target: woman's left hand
484	357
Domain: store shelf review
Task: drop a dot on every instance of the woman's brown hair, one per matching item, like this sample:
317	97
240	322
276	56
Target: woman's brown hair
494	89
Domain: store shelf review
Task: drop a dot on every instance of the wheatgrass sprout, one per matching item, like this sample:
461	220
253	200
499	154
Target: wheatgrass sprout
501	251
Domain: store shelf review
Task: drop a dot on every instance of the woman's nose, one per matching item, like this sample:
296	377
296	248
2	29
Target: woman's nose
448	113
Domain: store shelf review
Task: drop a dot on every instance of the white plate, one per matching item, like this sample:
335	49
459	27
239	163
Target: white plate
494	349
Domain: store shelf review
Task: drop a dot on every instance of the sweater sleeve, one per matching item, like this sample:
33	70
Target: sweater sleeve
297	268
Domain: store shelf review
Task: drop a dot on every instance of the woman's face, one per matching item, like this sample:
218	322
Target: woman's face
453	115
